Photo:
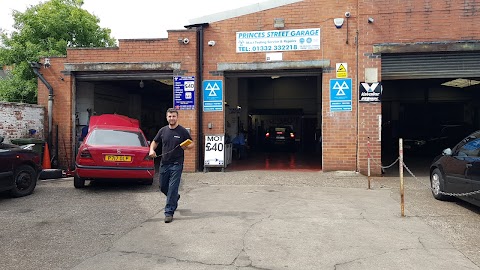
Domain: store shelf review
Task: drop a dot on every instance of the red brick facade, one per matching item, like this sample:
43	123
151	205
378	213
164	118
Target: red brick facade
345	134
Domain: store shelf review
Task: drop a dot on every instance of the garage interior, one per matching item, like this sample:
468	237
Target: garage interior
256	101
140	97
431	109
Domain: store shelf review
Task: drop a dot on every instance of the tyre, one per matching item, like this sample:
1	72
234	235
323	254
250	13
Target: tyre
437	185
50	174
78	182
25	181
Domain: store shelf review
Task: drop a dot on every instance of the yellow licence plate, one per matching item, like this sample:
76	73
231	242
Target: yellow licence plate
114	158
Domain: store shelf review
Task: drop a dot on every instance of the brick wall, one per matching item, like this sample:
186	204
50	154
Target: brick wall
128	51
345	134
18	118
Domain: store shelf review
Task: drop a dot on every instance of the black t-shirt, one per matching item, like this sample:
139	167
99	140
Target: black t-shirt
170	140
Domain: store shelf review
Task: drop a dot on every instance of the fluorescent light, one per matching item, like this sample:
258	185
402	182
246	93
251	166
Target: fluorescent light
461	83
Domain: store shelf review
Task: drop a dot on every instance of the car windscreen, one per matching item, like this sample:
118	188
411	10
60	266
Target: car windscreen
116	138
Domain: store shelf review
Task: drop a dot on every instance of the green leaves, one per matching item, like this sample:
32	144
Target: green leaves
45	30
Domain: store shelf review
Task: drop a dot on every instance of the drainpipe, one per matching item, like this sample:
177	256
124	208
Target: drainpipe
200	45
36	69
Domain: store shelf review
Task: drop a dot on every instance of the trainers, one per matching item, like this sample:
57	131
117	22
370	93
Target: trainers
168	219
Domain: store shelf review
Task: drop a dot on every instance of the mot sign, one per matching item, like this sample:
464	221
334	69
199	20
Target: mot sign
214	151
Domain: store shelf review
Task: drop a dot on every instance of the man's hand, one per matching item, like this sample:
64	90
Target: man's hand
153	146
152	153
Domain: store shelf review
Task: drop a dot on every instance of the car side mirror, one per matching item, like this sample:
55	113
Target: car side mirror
447	152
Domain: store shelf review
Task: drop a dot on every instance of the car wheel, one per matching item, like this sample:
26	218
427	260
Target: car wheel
437	185
78	182
25	181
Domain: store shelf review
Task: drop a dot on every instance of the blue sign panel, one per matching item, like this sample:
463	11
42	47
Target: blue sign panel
340	95
184	93
212	96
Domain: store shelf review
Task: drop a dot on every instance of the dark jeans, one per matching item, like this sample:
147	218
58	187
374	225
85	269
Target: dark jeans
170	175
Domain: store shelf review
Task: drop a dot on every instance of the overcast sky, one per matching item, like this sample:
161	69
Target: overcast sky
138	18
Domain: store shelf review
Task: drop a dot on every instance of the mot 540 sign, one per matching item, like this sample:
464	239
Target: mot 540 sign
214	150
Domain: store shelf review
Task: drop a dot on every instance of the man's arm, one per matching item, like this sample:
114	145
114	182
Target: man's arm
153	146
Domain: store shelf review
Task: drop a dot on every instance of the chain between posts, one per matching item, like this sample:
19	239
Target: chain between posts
415	177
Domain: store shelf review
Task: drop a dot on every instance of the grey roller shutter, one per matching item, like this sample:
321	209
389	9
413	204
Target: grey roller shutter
431	65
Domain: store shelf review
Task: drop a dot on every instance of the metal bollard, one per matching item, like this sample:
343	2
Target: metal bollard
402	191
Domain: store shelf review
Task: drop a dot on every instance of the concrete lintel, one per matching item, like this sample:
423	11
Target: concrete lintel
273	65
446	46
69	67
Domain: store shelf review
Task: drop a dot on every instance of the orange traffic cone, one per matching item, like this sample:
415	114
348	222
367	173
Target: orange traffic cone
46	164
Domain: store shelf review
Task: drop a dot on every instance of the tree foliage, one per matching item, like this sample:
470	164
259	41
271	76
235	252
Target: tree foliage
45	30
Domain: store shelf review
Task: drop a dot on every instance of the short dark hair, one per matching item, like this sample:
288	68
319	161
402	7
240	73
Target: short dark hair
172	110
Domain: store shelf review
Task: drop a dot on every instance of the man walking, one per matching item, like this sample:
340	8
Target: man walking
170	137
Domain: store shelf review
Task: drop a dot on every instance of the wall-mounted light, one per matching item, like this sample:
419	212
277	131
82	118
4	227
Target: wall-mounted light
370	20
141	84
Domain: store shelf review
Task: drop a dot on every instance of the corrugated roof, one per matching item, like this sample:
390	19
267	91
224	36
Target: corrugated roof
225	15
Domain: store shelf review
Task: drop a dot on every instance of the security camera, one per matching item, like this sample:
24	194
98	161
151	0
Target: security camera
46	62
186	41
370	20
211	43
347	14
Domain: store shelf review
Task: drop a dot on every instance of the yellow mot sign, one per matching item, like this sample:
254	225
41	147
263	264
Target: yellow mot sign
341	70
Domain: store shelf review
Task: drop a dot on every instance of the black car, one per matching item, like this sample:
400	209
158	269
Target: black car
19	169
434	139
457	171
280	137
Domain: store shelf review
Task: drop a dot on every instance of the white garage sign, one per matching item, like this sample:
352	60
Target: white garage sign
214	150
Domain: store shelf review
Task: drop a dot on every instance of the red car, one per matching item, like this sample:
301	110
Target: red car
19	169
114	148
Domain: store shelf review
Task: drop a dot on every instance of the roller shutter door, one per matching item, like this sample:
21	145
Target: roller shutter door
432	65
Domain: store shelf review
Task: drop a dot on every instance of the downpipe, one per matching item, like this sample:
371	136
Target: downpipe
36	69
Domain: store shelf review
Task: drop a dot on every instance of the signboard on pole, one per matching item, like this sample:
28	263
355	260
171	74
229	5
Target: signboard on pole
184	92
214	151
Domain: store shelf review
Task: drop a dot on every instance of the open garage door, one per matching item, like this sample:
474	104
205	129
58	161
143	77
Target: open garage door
141	95
280	111
431	101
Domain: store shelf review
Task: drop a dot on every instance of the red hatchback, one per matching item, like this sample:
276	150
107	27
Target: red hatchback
114	148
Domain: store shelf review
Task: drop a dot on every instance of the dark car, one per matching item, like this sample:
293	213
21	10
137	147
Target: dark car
114	148
457	171
280	137
435	139
19	169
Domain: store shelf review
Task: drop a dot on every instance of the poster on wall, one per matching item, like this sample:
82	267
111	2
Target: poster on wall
370	92
214	151
184	92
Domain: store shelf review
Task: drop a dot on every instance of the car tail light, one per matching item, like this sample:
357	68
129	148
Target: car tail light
85	154
292	135
267	134
36	159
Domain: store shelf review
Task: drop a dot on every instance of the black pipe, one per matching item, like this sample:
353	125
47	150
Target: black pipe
200	46
36	69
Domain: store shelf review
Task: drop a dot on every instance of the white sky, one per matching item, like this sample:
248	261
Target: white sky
138	18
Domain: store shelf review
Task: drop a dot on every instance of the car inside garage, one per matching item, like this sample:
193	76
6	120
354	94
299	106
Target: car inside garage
431	102
280	113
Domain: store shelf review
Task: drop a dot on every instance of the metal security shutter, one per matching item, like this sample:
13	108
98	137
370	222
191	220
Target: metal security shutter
431	65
